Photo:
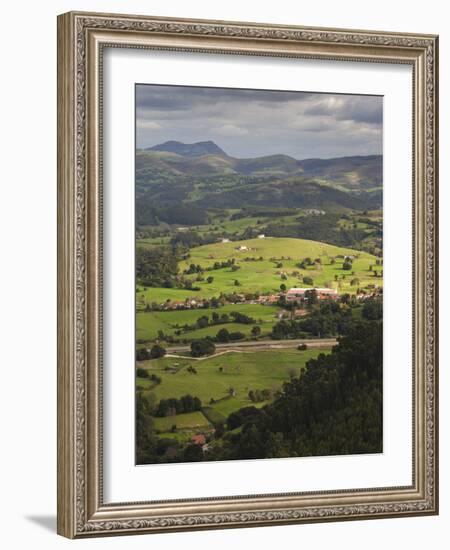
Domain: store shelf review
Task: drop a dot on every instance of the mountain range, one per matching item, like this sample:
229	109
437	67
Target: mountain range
204	175
189	149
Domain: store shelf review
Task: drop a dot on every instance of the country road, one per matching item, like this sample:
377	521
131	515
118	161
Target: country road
263	345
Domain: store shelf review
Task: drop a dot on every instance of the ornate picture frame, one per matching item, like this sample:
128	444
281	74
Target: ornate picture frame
82	38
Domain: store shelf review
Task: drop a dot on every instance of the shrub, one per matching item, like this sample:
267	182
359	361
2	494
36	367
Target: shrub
223	335
202	347
157	351
142	354
142	373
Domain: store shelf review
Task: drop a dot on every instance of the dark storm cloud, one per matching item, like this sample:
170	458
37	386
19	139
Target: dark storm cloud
183	98
248	123
359	109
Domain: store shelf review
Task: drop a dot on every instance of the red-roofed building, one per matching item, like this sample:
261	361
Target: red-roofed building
198	439
297	294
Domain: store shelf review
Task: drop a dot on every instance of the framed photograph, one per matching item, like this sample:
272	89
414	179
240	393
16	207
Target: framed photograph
247	283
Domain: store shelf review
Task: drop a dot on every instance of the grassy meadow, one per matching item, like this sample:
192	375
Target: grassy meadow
214	380
264	276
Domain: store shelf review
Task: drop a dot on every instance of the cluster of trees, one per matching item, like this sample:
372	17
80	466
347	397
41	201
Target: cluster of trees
149	212
373	309
156	266
216	319
239	317
307	262
309	299
224	336
257	396
143	373
189	239
261	211
319	228
326	319
202	347
156	351
185	404
196	268
146	439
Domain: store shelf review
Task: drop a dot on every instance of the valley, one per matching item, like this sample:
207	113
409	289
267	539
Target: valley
247	271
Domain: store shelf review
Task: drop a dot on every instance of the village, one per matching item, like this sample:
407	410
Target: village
290	296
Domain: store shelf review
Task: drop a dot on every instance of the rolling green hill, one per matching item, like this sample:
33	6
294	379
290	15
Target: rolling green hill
264	275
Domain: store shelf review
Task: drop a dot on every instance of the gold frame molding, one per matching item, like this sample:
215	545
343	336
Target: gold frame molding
81	38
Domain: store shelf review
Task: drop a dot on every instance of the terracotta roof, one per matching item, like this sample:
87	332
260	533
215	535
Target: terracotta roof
198	439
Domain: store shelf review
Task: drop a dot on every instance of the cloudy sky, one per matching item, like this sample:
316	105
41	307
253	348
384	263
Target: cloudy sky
251	123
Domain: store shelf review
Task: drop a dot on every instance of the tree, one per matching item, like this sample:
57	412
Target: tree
311	297
210	279
193	453
372	309
156	266
237	283
145	436
292	373
157	351
141	373
347	265
142	354
256	331
202	347
215	317
223	335
202	322
283	287
308	281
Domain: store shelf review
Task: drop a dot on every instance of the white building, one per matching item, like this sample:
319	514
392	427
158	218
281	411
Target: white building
294	294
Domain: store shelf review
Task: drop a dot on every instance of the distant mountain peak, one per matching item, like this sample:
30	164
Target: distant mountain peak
196	149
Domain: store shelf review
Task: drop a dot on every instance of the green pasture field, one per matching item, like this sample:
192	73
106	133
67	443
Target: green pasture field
186	421
149	323
264	276
269	247
215	377
152	242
